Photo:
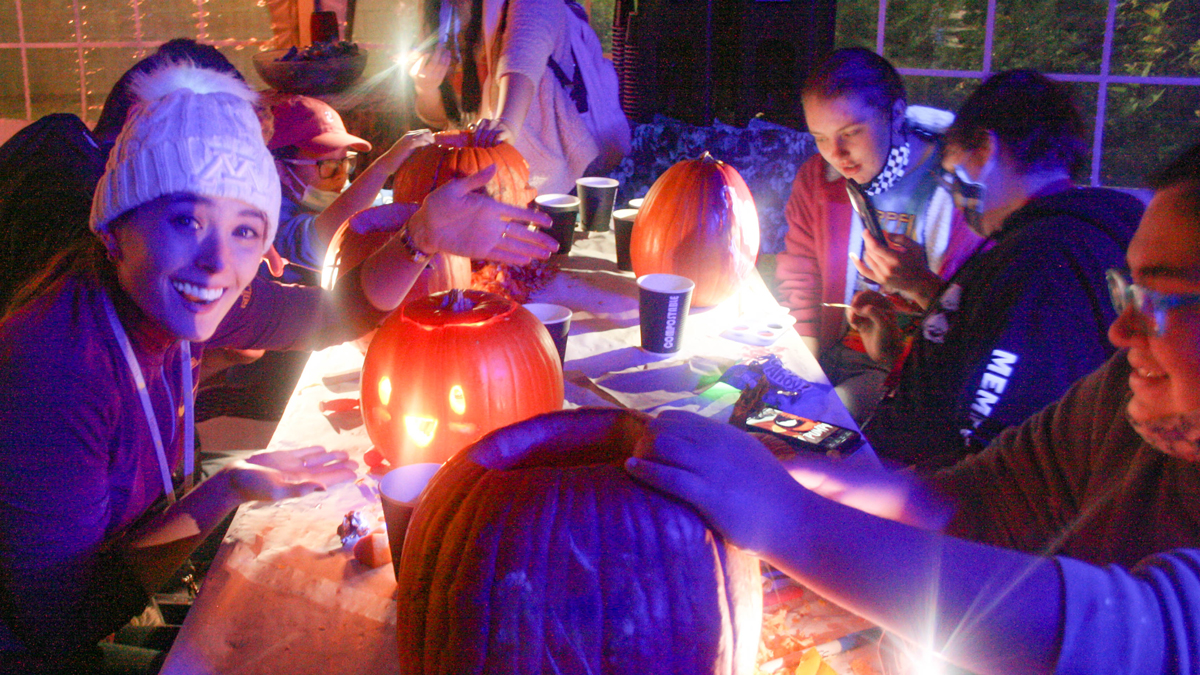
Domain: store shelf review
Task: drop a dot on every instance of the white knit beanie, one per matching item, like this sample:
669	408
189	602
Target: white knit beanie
193	130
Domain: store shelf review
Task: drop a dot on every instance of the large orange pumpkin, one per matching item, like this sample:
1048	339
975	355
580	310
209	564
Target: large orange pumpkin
453	154
445	369
533	551
698	221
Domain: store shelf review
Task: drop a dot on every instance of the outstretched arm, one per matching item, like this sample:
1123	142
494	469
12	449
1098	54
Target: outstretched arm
453	219
157	548
365	188
988	609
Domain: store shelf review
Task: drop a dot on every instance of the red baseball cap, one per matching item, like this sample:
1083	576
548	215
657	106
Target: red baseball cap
311	125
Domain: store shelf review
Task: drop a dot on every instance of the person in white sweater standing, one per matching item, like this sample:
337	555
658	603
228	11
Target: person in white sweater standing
529	72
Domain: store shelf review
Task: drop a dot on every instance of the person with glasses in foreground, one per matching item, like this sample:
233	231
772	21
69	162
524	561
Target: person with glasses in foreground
314	156
1084	520
1026	315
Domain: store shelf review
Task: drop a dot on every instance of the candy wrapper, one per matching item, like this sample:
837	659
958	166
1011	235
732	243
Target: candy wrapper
353	528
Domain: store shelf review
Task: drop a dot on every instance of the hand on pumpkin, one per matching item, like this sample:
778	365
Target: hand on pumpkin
494	132
900	267
731	478
874	317
457	218
281	474
403	148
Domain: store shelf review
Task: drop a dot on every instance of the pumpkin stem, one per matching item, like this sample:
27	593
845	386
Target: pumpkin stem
707	158
457	301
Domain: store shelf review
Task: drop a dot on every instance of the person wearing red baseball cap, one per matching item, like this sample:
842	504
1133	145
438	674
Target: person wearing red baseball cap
315	155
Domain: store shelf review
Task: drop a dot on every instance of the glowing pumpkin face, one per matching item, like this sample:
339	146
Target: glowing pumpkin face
698	221
448	368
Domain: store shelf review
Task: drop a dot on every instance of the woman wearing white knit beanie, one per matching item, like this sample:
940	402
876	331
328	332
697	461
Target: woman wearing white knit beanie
97	359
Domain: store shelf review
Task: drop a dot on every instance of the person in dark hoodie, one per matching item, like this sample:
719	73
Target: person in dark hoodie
1027	314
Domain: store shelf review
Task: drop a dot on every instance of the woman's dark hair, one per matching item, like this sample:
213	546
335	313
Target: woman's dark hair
1184	171
1184	168
86	255
458	106
1033	117
856	71
121	98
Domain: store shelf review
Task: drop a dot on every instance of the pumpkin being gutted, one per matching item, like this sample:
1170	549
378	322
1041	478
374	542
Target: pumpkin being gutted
445	369
533	551
453	154
698	221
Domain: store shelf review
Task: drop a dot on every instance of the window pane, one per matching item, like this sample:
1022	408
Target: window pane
1146	127
8	22
936	34
1053	36
12	87
49	20
238	20
164	20
110	21
856	23
946	93
104	67
1157	38
54	81
1084	95
601	14
391	25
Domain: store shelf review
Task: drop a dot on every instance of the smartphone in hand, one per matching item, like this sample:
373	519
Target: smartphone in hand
865	208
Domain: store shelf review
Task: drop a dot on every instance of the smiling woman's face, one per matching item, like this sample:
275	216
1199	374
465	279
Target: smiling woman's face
1164	256
184	259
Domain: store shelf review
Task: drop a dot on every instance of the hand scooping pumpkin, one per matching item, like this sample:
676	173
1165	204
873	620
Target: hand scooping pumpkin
456	219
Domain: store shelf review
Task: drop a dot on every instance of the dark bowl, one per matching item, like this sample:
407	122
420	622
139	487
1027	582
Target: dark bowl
323	76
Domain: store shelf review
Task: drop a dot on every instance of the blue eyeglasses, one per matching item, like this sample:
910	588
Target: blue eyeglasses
1152	306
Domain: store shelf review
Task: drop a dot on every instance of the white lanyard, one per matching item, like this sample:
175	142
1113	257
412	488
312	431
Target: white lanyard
189	412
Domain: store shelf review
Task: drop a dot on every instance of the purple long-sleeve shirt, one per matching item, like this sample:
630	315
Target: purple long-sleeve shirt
77	462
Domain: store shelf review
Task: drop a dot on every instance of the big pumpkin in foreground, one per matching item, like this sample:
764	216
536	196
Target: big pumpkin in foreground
532	551
698	221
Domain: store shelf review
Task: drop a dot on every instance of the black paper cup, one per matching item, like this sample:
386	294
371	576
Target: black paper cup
623	226
564	211
596	199
557	320
636	203
663	304
399	491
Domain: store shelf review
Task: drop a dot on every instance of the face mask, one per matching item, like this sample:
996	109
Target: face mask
1174	435
318	200
968	197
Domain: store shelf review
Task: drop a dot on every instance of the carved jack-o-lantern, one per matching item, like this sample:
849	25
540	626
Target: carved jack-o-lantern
446	369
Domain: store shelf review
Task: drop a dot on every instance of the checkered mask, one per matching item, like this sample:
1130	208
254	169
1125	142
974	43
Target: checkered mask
893	171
